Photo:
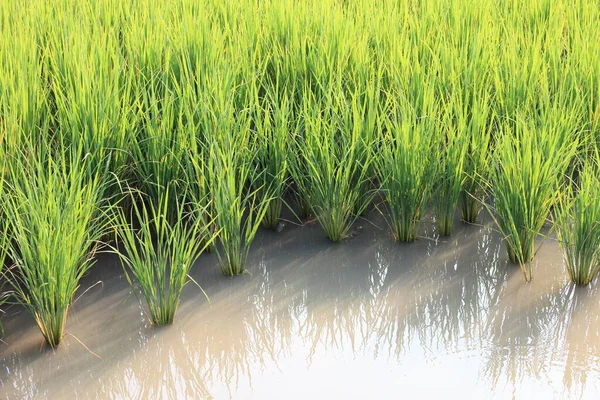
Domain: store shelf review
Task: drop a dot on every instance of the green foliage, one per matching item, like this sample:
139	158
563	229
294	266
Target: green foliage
272	124
406	166
229	103
529	165
333	161
478	128
5	238
238	192
452	151
577	219
160	253
55	210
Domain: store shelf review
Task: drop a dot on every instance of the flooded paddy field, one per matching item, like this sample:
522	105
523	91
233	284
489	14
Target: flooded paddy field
365	318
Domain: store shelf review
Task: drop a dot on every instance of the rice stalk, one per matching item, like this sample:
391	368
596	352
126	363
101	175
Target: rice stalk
478	158
450	177
238	202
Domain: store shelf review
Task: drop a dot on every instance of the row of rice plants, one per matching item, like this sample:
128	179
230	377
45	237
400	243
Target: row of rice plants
218	107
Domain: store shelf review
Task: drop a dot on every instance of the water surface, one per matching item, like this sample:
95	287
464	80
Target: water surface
367	318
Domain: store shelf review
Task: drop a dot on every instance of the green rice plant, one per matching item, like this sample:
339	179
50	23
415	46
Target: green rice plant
406	167
141	83
238	201
3	296
198	186
577	221
462	55
450	177
195	122
160	253
160	145
528	166
24	104
364	118
237	206
331	162
478	158
92	90
56	222
272	124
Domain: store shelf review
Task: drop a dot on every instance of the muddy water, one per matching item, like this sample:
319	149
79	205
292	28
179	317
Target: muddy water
367	318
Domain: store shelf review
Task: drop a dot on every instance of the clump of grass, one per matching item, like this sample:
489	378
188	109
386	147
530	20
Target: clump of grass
238	202
159	146
272	123
56	222
450	175
160	253
333	162
577	221
478	158
528	165
237	207
406	168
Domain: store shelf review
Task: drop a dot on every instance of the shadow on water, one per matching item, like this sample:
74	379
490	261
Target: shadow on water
364	317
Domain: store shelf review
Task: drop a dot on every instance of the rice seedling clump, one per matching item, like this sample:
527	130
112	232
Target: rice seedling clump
406	168
333	162
530	163
577	219
239	195
160	253
56	222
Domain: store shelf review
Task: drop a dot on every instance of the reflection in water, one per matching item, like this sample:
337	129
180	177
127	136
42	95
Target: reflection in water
436	316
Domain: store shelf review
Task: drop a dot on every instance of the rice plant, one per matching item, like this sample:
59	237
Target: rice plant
194	124
577	221
528	166
272	124
159	146
198	187
92	93
160	253
237	201
332	162
55	210
450	177
24	94
237	206
406	168
478	158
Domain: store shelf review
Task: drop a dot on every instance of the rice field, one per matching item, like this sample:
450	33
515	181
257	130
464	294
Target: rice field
161	130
